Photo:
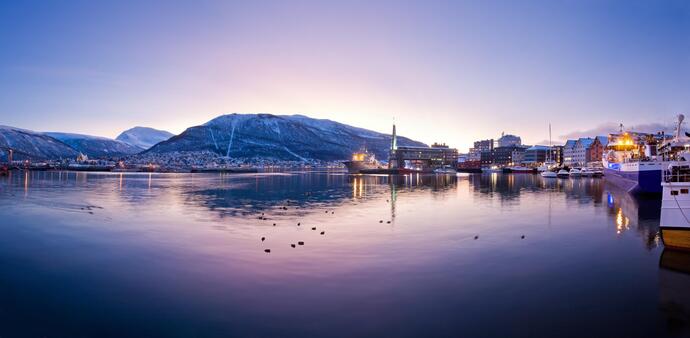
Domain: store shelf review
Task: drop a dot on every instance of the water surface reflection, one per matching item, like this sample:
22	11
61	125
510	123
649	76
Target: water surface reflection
405	256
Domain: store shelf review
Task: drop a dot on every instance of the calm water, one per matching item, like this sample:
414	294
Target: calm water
111	255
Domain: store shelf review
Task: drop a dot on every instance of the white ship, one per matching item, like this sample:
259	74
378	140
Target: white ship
675	205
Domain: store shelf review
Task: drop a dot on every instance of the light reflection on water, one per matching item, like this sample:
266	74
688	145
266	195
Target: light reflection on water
180	255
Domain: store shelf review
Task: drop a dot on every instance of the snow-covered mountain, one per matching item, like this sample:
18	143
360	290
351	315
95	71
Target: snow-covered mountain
143	137
284	137
95	146
29	144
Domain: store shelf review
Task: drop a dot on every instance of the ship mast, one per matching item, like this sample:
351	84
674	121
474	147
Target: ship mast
681	117
550	146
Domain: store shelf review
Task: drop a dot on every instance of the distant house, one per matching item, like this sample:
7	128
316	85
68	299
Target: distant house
568	152
581	150
585	150
596	150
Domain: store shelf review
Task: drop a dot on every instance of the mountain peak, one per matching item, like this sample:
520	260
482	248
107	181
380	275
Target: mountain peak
280	137
143	137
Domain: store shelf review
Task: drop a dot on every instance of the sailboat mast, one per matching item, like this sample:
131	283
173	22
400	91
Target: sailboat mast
550	146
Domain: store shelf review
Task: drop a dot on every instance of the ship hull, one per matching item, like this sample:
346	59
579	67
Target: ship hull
355	167
676	238
635	178
675	214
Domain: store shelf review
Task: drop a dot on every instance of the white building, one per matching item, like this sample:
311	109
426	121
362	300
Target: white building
569	152
509	140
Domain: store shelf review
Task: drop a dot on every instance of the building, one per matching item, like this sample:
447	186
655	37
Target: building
423	158
557	154
536	155
596	150
482	151
484	145
581	151
517	156
486	158
463	158
568	152
508	155
509	140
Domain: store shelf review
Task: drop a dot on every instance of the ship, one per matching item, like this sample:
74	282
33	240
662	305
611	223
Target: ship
362	160
635	161
675	204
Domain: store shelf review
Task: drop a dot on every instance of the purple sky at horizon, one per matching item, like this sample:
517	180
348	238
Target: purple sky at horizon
447	71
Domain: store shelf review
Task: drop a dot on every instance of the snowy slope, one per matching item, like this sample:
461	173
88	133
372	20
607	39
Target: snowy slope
35	145
95	146
285	137
143	137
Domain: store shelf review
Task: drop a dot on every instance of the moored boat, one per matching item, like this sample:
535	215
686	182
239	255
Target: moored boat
362	160
586	172
521	170
635	161
89	167
675	206
563	173
574	172
446	170
549	174
492	169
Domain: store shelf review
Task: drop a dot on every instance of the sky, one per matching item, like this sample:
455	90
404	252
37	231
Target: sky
445	71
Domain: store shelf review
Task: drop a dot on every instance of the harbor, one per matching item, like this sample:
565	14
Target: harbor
548	234
345	169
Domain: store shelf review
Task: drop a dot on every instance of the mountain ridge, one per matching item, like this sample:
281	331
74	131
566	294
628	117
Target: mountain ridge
95	146
282	137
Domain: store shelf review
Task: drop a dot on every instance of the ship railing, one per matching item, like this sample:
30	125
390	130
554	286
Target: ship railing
677	174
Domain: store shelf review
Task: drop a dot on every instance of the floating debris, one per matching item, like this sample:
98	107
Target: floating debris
326	211
389	222
314	228
323	232
298	224
381	221
476	237
332	212
263	239
300	243
293	245
267	251
274	224
523	237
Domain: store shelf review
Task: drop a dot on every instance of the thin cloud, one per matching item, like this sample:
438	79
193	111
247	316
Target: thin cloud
608	128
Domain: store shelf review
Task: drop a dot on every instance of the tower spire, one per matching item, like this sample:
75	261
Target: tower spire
394	138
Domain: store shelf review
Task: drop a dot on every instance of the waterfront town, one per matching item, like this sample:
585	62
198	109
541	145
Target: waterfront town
503	153
508	150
